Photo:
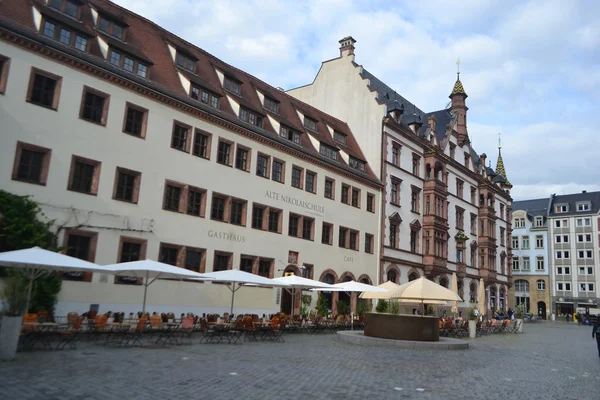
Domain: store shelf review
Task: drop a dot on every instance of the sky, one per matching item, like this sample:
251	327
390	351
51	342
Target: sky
531	69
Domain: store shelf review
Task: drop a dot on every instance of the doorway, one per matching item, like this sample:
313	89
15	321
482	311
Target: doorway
541	306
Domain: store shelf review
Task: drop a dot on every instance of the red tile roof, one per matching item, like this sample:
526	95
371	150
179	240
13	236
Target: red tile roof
149	42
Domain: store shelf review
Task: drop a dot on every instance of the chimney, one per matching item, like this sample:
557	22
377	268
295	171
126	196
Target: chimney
431	123
584	191
347	47
482	157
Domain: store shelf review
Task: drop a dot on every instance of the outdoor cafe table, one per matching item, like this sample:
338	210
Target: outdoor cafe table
169	334
118	332
40	332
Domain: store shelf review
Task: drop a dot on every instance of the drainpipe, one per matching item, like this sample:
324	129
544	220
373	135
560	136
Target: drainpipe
382	192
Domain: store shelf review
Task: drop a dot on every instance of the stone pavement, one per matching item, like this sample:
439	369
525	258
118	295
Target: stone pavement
548	361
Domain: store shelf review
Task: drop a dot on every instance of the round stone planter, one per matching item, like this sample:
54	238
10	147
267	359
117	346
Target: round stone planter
520	324
10	330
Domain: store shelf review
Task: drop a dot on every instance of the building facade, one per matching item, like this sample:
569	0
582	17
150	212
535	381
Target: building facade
443	211
530	261
140	145
574	225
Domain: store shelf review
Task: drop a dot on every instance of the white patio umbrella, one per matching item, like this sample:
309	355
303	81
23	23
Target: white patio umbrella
37	262
296	282
424	290
454	309
481	307
236	277
389	286
151	271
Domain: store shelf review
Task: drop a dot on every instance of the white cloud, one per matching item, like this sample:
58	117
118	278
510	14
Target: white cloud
530	67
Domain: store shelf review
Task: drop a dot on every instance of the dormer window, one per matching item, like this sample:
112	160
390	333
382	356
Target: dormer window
289	134
128	63
205	96
64	35
232	85
69	7
250	117
185	62
539	222
328	152
357	164
583	206
271	105
112	28
561	208
339	138
310	123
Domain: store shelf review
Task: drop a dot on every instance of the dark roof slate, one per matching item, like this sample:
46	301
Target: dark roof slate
572	200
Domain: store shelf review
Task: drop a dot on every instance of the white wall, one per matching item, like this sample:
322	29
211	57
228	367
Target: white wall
66	135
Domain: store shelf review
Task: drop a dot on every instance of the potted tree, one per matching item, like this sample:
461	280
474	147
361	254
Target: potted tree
13	302
519	314
472	321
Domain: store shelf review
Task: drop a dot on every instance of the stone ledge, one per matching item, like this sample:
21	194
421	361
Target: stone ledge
358	337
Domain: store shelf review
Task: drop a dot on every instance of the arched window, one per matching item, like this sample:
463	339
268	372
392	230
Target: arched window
412	277
392	276
541	284
472	292
521	285
444	282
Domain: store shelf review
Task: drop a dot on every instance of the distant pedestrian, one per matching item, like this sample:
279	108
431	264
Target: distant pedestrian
596	333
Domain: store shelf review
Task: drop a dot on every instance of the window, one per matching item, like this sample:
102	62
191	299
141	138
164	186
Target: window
289	134
370	202
328	151
65	36
345	193
236	215
413	241
311	177
357	164
353	240
563	270
502	211
127	185
222	261
84	175
452	150
474	225
232	85
246	264
65	6
44	89
195	202
329	188
293	225
394	235
414	199
561	223
396	154
539	263
265	268
368	243
271	105
459	188
584	238
563	254
539	222
586	287
274	220
80	244
257	217
416	164
194	259
563	286
583	254
241	159
201	146
583	206
579	222
339	137
224	153
519	223
342	239
31	163
4	65
180	138
473	195
525	240
310	123
205	96
49	29
94	106
115	58
135	120
250	117
561	238
515	263
128	63
526	264
586	270
185	61
262	166
394	193
460	220
541	284
297	177
355	198
560	208
172	198
130	249
326	236
110	27
277	172
218	208
539	242
307	228
169	254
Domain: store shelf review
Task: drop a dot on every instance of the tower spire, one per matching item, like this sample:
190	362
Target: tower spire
458	87
500	170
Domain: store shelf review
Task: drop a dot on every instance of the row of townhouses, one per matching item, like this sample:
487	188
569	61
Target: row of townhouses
556	252
138	144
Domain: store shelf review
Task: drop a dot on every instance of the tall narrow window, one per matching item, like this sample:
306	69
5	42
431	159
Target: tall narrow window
262	166
329	188
172	197
241	159
277	173
257	217
237	213
81	43
274	216
83	174
201	145
297	177
293	225
224	154
194	202
355	197
310	182
218	208
127	185
307	228
179	139
345	194
95	106
370	202
326	233
44	89
135	121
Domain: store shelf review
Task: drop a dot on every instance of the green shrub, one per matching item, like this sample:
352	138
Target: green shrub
394	307
382	306
343	308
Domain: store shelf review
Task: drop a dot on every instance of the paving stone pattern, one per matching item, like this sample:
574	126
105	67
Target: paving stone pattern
548	361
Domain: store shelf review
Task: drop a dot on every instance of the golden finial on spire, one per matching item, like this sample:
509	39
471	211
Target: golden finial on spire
499	143
457	67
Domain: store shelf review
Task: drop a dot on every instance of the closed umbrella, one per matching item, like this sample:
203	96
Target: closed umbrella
235	277
455	290
37	262
296	282
481	307
151	271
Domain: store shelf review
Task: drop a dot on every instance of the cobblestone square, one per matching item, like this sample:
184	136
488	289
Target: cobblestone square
533	365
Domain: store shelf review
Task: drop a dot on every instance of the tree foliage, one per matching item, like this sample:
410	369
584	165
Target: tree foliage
382	306
322	305
22	227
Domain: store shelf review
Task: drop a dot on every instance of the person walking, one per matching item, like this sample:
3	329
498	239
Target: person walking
596	333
